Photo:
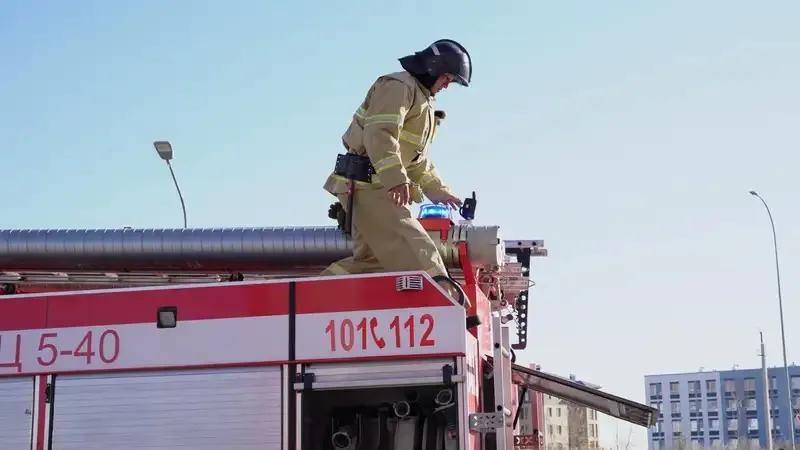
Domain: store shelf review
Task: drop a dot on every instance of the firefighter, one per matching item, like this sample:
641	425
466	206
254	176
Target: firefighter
387	141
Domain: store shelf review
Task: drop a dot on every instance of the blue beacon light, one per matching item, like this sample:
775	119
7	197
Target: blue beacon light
434	212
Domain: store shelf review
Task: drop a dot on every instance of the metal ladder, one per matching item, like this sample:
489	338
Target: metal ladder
501	420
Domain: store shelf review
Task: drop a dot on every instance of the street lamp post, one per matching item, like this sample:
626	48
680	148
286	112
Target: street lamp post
164	149
765	393
790	415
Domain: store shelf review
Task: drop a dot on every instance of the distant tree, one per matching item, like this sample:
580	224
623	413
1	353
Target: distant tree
627	445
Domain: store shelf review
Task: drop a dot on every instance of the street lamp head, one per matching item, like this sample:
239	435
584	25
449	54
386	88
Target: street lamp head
754	193
164	149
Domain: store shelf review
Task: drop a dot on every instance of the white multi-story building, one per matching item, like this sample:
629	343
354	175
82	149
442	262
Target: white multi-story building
556	423
568	426
561	425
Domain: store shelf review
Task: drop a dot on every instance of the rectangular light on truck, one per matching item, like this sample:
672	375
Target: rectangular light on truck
167	317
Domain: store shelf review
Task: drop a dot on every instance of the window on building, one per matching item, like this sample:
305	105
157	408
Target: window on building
731	404
733	424
713	424
712	405
591	430
655	388
750	404
559	428
694	387
693	425
676	425
550	430
674	388
749	384
657	405
660	426
711	386
752	424
730	386
695	406
674	407
795	382
549	412
558	412
715	444
773	383
733	443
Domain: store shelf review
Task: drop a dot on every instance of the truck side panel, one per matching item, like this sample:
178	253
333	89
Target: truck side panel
17	410
230	408
117	330
105	369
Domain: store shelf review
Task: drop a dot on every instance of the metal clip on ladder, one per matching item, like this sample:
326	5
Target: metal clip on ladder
501	420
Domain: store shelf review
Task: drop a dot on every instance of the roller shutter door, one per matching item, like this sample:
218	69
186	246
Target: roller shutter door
219	409
16	413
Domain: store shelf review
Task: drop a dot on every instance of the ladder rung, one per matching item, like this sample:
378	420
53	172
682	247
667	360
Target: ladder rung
505	352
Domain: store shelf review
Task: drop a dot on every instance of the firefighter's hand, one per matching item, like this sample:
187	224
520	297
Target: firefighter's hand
333	210
336	212
400	195
448	199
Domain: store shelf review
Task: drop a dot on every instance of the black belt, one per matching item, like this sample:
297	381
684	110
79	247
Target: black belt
354	167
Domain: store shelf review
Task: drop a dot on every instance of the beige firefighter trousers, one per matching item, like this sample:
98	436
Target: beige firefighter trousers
386	238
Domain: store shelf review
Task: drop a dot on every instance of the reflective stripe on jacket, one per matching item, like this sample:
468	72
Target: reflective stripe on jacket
394	126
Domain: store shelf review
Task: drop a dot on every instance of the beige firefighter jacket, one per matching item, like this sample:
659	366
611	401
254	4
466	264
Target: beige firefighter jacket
394	126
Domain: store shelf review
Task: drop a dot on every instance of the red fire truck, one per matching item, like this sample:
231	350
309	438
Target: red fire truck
227	339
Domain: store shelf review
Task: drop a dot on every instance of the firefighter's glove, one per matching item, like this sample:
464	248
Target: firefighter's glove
336	212
439	115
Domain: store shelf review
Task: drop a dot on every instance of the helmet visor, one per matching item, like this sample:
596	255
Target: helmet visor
460	69
458	79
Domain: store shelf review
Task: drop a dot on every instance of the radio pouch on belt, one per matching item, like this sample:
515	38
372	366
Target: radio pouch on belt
356	169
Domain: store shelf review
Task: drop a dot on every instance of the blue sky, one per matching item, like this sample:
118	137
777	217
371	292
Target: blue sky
625	135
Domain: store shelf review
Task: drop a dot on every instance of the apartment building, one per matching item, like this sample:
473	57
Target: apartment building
568	426
717	409
561	425
556	424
